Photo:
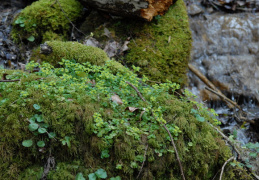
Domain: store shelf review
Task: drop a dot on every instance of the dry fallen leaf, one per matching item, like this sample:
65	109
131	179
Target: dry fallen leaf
141	114
117	99
131	109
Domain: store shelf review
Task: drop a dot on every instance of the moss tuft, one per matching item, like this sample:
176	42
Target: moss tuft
161	48
44	20
73	51
75	102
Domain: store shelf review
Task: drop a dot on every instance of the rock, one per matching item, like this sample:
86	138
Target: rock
194	9
253	48
145	9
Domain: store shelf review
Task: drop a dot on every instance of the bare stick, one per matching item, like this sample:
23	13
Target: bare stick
176	152
10	80
227	139
224	98
143	161
172	140
220	177
207	82
136	89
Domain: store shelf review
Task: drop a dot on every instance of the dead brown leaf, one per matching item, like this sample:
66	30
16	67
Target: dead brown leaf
131	109
117	99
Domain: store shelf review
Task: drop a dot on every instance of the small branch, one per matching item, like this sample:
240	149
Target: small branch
143	161
224	98
208	83
136	89
220	177
227	139
176	152
10	80
172	140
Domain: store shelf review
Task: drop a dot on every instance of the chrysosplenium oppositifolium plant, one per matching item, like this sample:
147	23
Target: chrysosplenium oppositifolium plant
91	112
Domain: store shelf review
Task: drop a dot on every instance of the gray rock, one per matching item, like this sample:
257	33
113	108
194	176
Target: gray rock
194	9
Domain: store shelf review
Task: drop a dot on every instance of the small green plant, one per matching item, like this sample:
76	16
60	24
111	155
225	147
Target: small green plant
37	127
100	173
21	21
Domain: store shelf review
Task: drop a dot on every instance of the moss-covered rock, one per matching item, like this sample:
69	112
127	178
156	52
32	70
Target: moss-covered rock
161	48
76	104
71	50
45	20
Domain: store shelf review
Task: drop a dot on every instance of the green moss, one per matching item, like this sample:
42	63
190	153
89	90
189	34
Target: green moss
71	50
44	20
160	48
68	101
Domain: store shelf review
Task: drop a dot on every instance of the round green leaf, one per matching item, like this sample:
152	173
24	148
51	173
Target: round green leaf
33	126
40	143
52	135
116	178
42	130
101	173
253	154
80	176
92	176
39	118
27	143
44	125
36	106
31	38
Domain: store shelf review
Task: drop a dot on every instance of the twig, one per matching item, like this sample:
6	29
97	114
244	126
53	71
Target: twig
143	161
227	139
220	177
10	80
172	140
209	84
224	98
136	89
176	152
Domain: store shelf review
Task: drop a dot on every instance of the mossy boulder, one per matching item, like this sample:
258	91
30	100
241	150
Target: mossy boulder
78	105
70	50
45	20
161	48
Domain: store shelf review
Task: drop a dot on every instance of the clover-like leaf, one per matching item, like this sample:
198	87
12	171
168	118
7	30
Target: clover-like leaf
80	176
40	143
115	178
42	130
52	135
101	173
33	126
31	38
92	176
27	143
36	106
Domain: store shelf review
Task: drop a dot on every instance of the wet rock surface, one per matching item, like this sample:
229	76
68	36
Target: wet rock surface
226	51
9	52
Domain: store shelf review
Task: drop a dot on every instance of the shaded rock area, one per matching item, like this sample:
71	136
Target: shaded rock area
226	51
144	9
8	50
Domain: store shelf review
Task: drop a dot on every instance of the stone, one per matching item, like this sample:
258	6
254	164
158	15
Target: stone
194	9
